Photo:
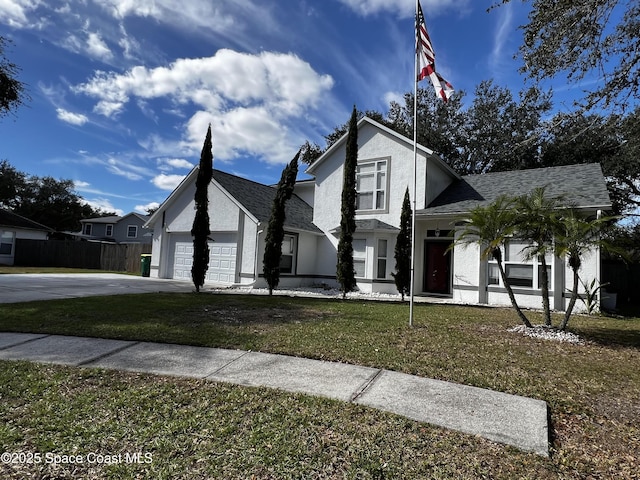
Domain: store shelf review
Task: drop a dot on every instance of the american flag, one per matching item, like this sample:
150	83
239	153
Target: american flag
427	59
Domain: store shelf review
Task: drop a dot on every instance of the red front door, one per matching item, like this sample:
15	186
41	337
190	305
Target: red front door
437	267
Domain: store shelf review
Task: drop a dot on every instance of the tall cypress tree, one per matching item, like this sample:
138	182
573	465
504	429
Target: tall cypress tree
275	229
402	276
345	272
200	229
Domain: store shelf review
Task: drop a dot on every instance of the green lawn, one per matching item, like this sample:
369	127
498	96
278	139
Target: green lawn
194	429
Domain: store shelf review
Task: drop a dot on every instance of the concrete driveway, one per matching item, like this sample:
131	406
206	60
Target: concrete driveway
40	286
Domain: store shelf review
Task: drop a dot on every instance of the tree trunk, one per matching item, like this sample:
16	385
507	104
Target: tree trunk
572	302
512	297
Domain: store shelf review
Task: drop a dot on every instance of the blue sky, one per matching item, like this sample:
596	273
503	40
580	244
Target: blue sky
123	90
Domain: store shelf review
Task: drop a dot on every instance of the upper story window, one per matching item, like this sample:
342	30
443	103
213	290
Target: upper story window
132	231
109	231
371	185
86	228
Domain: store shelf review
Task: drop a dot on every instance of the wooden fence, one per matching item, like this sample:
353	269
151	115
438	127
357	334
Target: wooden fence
116	257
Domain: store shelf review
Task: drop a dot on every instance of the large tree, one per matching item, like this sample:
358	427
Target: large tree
440	124
587	39
53	203
45	200
200	229
345	272
501	133
275	228
613	141
12	185
12	90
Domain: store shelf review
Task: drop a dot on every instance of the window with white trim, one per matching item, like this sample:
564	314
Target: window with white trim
288	257
86	228
519	272
109	230
359	257
382	259
371	185
132	231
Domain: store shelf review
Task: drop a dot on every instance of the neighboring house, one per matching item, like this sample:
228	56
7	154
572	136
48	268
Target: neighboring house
126	229
239	211
12	227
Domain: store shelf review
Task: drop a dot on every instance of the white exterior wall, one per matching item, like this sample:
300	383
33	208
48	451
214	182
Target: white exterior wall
156	250
467	265
224	216
305	190
249	249
466	273
589	270
373	144
306	259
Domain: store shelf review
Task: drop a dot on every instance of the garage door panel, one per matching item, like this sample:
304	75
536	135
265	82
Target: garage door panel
222	259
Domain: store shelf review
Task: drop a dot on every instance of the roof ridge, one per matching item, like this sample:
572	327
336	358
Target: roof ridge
215	170
503	172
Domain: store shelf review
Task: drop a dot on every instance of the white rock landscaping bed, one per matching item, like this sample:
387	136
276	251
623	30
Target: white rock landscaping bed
547	333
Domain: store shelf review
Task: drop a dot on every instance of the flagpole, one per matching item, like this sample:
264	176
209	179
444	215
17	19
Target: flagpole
415	166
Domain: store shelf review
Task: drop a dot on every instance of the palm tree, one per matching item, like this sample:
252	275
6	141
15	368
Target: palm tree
535	220
576	237
491	226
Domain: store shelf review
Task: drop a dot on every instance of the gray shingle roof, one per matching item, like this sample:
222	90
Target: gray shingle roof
370	225
10	219
257	199
374	224
583	185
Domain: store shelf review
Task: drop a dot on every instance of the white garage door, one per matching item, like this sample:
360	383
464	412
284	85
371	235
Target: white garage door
222	260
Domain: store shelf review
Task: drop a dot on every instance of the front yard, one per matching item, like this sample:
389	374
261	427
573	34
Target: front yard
194	429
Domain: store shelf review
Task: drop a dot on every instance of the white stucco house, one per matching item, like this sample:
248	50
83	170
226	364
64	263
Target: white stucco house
14	227
239	211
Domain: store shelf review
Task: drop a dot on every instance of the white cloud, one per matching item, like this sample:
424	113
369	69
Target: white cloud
126	169
70	117
283	81
397	97
14	12
501	36
80	185
248	99
172	163
97	48
167	182
143	208
194	13
404	8
103	204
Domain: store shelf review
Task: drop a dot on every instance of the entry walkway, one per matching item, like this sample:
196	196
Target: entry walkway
500	417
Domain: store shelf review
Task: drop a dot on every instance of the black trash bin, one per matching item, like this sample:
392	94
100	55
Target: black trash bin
145	264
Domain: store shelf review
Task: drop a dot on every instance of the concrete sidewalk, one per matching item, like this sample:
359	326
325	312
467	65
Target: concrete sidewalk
500	417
